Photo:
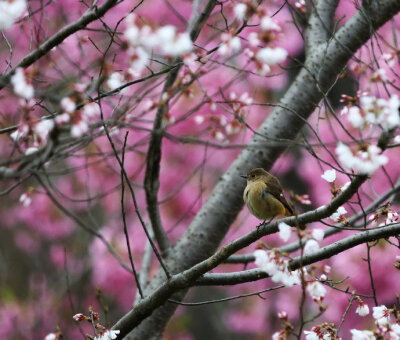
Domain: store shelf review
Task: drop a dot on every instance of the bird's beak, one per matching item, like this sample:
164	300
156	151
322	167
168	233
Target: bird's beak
243	176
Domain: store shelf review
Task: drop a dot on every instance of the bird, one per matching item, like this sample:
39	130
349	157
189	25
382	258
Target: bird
264	197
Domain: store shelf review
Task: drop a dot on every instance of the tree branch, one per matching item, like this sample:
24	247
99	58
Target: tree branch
320	23
213	220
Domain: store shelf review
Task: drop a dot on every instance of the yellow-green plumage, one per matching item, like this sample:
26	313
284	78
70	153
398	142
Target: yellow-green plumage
263	195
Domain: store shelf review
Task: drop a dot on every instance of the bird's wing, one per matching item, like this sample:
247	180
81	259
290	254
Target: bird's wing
274	188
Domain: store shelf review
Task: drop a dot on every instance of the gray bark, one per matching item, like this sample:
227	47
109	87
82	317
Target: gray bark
324	61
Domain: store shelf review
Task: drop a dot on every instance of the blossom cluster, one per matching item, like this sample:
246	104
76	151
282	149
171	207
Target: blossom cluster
365	159
371	110
385	328
276	266
218	124
144	40
262	49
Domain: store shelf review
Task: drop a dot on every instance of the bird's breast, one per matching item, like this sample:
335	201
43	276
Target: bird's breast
261	203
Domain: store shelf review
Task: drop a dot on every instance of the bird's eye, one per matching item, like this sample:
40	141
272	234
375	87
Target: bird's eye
253	175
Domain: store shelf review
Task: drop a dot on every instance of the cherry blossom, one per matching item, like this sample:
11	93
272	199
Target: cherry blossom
22	87
10	10
329	175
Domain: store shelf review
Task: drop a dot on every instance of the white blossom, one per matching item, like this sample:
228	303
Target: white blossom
281	335
365	162
240	10
269	24
139	59
362	309
132	30
10	10
379	75
25	199
355	118
253	40
284	231
311	335
395	328
245	99
43	129
390	115
329	175
230	44
318	234
21	132
219	136
199	119
271	56
362	335
381	315
79	128
311	246
232	128
375	111
172	43
62	118
68	105
91	110
381	112
115	80
316	290
108	335
272	263
165	40
390	58
336	216
20	86
31	150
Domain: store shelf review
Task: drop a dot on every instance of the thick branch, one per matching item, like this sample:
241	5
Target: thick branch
320	23
213	220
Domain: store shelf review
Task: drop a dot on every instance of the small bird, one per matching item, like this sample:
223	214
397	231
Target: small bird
264	197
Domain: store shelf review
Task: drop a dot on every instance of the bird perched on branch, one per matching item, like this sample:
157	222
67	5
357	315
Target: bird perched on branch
264	197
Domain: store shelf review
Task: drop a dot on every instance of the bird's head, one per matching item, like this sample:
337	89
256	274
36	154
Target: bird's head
256	174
